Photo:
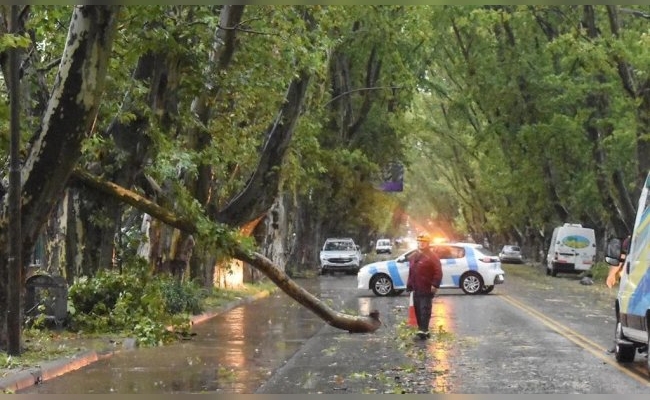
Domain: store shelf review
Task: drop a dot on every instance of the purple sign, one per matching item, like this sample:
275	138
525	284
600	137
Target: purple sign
393	178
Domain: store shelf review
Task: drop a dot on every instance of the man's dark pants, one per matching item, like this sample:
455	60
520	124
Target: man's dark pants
422	302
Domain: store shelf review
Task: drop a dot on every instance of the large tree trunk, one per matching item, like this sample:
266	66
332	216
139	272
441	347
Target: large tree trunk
287	235
262	188
275	233
68	119
133	150
304	254
334	318
74	237
221	54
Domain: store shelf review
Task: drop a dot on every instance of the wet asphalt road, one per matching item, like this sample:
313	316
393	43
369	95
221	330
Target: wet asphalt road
232	353
519	339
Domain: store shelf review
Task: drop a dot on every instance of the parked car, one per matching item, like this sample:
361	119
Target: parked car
511	254
384	246
340	255
467	266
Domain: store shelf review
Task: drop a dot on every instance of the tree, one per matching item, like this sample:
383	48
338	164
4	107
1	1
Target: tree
556	146
277	119
68	120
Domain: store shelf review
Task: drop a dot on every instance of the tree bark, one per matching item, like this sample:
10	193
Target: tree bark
68	119
259	194
221	55
69	116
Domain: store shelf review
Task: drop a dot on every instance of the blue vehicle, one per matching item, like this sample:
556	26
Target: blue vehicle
633	299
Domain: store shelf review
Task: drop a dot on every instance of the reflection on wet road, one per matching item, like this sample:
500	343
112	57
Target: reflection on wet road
438	349
231	353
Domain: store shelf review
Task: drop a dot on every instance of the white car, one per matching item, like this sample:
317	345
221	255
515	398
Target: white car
467	266
511	254
340	255
383	246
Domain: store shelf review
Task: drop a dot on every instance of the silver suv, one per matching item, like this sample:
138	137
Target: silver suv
340	254
511	254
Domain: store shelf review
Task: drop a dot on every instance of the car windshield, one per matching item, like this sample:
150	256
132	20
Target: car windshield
511	248
383	243
339	246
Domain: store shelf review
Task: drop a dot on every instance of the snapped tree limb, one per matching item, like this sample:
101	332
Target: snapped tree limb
351	323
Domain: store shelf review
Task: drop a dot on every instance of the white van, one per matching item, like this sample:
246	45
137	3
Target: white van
632	305
384	246
572	250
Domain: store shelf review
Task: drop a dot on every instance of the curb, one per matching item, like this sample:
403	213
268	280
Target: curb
51	369
197	319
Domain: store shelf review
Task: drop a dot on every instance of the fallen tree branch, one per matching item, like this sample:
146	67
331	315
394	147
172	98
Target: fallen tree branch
351	323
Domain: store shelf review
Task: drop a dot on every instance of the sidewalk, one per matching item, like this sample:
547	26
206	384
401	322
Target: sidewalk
89	350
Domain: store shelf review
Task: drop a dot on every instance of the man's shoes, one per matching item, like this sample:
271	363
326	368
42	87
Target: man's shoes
423	335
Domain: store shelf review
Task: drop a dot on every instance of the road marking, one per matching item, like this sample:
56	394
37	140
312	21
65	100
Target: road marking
578	339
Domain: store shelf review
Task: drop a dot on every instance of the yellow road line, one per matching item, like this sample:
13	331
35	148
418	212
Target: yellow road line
576	338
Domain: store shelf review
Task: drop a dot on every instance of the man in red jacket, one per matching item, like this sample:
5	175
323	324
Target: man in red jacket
425	275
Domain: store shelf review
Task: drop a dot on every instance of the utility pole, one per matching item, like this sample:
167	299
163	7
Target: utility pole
14	284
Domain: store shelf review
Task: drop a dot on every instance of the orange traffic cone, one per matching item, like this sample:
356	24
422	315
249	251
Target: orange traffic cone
412	321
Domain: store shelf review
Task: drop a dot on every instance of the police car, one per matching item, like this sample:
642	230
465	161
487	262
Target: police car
467	266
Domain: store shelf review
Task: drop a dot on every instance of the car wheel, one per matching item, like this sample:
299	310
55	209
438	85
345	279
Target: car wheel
471	283
548	271
622	352
381	285
553	273
487	289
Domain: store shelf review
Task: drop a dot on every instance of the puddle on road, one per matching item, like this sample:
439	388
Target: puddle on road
231	353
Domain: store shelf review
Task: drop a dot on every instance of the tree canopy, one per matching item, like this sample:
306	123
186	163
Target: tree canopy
509	120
